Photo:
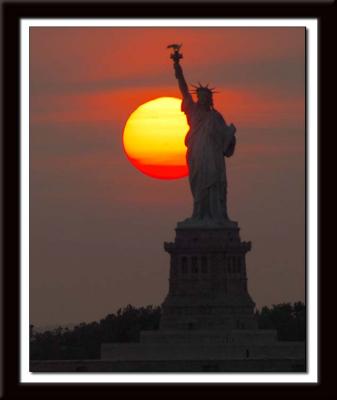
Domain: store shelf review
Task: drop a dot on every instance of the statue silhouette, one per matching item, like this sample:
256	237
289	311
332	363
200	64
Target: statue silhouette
208	141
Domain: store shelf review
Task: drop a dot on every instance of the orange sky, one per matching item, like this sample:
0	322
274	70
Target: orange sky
97	224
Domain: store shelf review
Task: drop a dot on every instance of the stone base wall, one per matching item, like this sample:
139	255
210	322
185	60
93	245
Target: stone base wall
199	351
246	337
79	366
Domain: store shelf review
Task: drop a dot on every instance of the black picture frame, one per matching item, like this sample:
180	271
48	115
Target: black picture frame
325	12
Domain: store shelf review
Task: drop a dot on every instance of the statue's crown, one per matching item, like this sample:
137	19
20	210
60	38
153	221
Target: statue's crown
201	88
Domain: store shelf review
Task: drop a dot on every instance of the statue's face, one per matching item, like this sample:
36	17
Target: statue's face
205	97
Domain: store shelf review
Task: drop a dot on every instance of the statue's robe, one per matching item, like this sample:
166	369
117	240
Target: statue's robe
208	140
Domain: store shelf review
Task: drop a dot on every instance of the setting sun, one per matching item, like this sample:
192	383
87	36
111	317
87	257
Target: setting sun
154	136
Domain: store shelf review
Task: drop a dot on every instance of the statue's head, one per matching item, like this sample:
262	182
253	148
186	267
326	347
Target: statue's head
204	95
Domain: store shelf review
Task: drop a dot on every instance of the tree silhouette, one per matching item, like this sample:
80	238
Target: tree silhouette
289	320
84	340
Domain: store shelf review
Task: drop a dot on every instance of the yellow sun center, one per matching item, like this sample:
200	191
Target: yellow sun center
154	138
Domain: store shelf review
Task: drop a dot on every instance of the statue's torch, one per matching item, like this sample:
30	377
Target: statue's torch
175	56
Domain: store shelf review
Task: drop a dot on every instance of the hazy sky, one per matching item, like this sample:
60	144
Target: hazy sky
97	225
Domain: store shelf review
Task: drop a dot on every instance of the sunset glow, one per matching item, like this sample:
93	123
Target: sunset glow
154	138
99	199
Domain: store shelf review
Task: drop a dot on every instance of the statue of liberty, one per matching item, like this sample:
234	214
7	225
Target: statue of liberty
208	141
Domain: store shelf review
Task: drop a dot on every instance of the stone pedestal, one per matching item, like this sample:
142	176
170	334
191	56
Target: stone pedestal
208	281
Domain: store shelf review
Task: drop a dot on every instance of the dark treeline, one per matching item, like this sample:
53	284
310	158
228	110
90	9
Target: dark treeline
84	340
288	319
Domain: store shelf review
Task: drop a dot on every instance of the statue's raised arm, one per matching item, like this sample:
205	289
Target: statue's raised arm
176	56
